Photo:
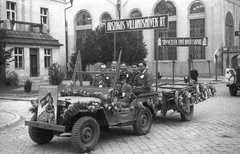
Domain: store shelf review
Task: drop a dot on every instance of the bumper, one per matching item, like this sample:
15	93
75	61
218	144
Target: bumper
45	126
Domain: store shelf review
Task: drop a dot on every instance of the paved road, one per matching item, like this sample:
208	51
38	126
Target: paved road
215	128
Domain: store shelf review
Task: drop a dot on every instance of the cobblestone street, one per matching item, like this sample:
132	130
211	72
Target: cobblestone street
215	128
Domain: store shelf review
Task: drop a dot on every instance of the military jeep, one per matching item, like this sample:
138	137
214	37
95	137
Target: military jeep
85	110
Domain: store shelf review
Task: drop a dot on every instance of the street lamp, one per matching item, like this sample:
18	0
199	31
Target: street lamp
216	58
66	40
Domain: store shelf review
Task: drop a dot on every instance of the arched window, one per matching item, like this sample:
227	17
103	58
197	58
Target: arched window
83	27
166	53
165	7
135	13
197	29
197	7
83	18
105	16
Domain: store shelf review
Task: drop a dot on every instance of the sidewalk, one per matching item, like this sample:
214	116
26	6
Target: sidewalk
17	93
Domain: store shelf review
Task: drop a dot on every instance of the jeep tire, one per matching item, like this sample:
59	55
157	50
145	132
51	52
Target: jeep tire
85	134
39	135
233	90
143	122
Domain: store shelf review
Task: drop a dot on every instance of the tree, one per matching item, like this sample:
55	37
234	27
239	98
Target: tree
5	56
99	47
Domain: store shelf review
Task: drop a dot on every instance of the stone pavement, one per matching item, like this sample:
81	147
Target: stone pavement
17	93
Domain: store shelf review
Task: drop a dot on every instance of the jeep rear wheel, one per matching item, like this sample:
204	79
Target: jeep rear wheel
233	90
143	122
85	134
188	116
38	135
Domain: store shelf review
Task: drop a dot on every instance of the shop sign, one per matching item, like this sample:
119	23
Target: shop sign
183	41
141	23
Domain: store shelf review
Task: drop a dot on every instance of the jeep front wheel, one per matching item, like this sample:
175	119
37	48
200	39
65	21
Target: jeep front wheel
85	134
143	122
233	90
39	135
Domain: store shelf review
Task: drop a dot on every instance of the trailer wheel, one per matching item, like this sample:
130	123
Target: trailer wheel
188	116
38	135
85	134
233	90
143	122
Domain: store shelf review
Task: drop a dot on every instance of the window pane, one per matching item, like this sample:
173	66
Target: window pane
20	62
197	29
16	62
165	7
197	8
8	15
12	6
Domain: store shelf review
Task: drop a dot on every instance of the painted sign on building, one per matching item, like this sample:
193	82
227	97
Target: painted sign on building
141	23
183	41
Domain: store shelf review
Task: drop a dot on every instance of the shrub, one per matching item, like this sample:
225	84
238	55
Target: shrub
55	74
12	78
27	86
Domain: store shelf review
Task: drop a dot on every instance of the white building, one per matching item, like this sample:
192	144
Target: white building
35	31
215	19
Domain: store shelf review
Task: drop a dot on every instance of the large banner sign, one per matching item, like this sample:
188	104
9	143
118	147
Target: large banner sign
152	22
183	41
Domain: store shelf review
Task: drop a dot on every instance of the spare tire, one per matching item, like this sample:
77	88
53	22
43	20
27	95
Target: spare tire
39	135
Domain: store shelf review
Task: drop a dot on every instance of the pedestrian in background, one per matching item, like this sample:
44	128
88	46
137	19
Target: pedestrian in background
194	75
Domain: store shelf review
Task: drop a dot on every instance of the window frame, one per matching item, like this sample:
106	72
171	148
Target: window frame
47	58
17	58
43	15
11	11
194	17
172	18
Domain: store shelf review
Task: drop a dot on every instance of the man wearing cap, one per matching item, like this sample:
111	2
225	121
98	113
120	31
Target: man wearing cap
124	71
102	80
125	92
144	81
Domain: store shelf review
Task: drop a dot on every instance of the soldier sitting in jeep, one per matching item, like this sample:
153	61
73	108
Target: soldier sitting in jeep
123	92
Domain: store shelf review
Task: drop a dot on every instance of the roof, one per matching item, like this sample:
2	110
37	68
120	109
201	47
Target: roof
30	38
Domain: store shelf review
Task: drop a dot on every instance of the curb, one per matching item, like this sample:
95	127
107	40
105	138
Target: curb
18	98
12	122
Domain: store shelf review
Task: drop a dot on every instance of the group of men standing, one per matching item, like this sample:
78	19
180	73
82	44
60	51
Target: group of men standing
129	83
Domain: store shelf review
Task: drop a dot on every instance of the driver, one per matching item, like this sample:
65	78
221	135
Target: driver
124	91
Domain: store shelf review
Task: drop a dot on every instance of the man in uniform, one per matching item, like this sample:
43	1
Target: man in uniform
125	92
144	81
124	71
102	80
135	71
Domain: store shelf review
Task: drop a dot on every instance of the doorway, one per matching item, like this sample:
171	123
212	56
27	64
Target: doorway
33	62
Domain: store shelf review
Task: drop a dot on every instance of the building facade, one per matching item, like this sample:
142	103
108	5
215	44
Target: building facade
216	19
35	31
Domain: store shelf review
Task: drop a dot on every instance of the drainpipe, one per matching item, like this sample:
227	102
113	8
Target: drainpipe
66	40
